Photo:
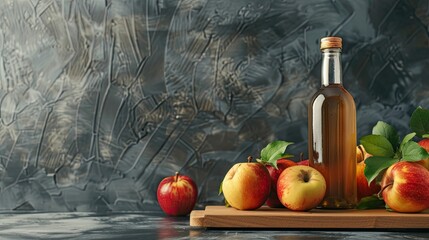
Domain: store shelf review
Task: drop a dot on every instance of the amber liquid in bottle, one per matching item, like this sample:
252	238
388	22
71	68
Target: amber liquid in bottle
332	133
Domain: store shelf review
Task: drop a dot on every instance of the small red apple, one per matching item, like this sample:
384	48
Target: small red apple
424	143
177	195
363	188
273	201
303	163
301	188
246	186
405	187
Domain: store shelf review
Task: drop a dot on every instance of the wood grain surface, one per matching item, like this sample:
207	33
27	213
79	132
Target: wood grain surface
265	217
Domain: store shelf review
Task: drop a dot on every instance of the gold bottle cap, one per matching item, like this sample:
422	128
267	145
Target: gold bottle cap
331	42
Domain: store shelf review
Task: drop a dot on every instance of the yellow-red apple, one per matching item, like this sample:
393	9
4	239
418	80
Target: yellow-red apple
273	201
301	188
363	188
405	187
246	186
424	143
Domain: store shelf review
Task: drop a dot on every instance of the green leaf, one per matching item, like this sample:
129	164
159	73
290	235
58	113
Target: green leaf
371	202
374	165
412	151
377	146
274	151
425	136
419	121
407	138
387	131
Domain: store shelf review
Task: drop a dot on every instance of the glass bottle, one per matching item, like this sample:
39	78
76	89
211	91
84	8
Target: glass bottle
332	131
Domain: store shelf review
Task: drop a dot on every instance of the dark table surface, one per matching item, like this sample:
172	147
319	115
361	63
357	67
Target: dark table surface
155	225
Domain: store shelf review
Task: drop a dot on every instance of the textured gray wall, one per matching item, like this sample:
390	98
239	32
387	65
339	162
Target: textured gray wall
102	99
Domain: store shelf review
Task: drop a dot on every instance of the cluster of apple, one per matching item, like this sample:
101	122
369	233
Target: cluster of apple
398	169
389	173
295	185
274	182
403	186
298	187
249	185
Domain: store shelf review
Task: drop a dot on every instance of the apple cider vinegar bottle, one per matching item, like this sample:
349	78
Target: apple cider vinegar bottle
332	131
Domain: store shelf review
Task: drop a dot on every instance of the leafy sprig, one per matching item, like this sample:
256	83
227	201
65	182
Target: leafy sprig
371	202
386	149
419	122
274	151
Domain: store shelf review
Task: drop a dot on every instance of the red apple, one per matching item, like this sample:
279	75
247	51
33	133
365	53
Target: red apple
177	195
424	143
363	188
405	187
301	188
273	201
246	186
303	163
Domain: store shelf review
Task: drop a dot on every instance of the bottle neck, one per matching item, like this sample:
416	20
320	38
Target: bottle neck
331	66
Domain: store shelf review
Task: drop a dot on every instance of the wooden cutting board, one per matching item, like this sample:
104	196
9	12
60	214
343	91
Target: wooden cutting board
265	217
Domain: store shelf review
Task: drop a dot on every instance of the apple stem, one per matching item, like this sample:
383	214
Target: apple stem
176	176
249	159
360	149
381	191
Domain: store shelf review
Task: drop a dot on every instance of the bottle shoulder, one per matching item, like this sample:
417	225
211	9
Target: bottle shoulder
333	90
332	95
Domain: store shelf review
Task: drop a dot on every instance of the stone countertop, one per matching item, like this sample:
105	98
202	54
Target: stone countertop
154	225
